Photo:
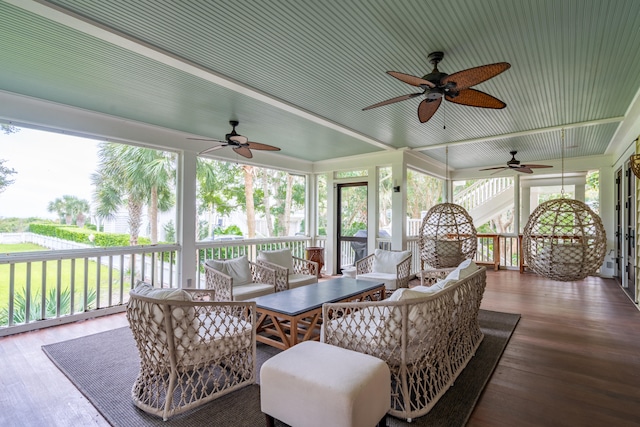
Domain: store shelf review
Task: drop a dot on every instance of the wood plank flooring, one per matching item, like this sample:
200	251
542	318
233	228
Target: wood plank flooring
574	359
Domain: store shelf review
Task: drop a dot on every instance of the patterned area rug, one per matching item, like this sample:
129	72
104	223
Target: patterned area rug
105	365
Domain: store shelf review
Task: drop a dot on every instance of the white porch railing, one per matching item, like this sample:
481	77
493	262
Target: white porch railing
47	288
39	289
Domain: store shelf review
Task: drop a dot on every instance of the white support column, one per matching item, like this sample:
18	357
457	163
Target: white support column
579	191
186	219
311	203
525	205
607	196
372	209
399	205
331	245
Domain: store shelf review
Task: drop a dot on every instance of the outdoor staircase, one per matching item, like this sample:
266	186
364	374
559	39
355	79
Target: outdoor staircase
486	198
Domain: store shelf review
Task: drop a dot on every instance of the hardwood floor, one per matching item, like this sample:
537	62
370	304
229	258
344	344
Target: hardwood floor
574	359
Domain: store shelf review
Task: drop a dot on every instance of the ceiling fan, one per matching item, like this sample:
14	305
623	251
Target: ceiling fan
515	165
240	144
454	87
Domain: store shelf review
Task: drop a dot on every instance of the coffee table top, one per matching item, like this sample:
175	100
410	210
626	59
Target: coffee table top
306	298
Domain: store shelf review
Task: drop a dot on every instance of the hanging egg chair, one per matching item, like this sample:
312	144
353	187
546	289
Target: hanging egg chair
447	236
564	240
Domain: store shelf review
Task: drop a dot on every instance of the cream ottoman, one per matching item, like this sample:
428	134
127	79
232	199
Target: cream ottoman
313	384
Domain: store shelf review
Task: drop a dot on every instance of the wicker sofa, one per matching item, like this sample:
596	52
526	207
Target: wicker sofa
426	335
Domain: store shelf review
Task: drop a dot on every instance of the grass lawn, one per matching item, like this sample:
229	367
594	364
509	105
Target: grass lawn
51	277
21	247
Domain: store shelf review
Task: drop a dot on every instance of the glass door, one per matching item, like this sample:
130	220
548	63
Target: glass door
352	223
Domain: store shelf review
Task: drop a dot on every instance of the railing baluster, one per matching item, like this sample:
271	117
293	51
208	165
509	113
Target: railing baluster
27	295
12	292
58	288
43	292
72	287
85	285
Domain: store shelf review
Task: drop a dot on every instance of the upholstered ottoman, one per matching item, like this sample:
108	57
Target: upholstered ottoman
315	384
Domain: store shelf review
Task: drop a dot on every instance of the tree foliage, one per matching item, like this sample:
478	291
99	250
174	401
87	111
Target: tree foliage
134	177
70	209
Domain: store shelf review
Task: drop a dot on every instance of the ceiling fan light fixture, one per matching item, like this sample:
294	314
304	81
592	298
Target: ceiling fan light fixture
455	88
241	144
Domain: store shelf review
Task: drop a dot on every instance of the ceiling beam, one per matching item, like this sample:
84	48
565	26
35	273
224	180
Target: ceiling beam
521	133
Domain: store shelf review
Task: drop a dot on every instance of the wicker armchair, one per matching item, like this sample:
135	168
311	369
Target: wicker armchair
391	267
426	337
191	351
238	279
291	272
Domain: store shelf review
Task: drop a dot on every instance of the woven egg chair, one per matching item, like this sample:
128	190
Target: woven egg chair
447	237
564	240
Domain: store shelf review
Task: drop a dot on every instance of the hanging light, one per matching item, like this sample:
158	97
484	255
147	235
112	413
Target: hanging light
564	239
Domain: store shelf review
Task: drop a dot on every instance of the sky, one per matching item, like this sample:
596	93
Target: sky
48	166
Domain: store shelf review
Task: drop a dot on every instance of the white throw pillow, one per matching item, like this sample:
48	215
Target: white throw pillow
465	269
147	290
387	261
281	257
217	265
239	270
426	289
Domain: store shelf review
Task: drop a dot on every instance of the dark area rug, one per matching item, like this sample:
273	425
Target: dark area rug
105	365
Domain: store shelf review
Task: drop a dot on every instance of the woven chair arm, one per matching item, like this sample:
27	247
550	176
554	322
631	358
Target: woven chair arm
263	274
364	265
403	272
305	266
281	273
221	284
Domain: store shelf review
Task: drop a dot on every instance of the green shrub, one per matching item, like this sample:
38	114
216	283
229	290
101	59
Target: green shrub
81	235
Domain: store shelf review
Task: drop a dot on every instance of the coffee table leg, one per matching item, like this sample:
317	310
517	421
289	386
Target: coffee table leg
294	331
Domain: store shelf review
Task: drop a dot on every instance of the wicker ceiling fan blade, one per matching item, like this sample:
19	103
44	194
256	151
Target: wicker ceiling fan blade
427	109
392	100
207	139
412	80
466	78
536	166
259	146
476	98
490	169
208	150
243	151
523	169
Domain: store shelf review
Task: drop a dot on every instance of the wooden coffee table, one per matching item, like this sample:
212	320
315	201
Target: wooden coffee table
289	317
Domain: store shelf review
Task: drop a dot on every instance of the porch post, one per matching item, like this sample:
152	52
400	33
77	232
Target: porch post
399	204
186	220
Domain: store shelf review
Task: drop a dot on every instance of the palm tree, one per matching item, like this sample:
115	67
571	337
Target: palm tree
70	209
133	177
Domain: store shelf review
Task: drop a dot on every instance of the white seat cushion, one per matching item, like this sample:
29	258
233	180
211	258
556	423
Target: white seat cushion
251	290
390	280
